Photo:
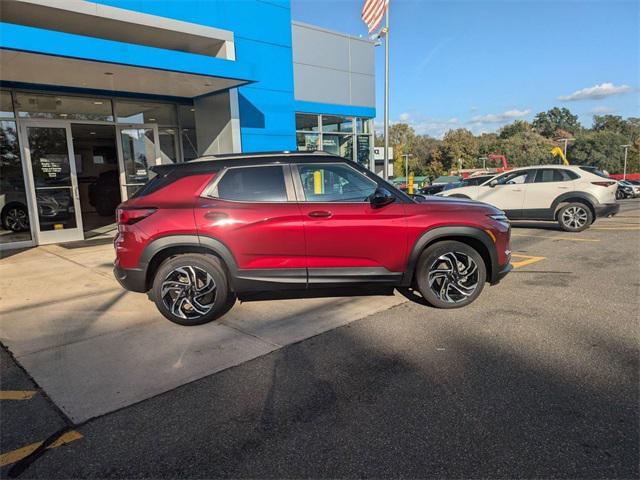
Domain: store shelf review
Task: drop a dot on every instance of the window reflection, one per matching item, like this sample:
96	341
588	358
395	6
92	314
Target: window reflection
14	213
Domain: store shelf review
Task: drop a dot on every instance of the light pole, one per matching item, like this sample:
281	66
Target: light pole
566	141
624	171
406	165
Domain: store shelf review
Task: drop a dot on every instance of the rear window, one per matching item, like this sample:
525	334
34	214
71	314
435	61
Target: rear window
595	171
253	184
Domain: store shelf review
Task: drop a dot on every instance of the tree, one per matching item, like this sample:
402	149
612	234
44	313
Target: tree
601	149
547	123
519	126
460	145
527	148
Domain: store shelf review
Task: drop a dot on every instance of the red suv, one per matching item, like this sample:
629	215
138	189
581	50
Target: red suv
201	232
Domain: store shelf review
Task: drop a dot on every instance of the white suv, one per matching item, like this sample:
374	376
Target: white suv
573	196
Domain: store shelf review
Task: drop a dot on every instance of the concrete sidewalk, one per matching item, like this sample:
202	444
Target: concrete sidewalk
94	347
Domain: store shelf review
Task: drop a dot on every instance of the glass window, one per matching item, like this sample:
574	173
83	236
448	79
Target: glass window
513	178
306	122
331	123
146	112
31	105
6	105
307	142
595	171
13	199
139	151
341	145
552	175
168	145
363	125
334	183
364	150
189	144
253	184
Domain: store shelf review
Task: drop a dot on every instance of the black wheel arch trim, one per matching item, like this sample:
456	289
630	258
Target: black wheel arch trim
451	232
210	244
592	202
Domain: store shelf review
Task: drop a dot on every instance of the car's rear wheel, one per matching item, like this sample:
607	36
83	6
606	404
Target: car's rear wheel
191	289
450	274
574	217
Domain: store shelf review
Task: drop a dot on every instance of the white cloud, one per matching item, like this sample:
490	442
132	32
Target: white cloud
602	110
503	117
597	92
404	117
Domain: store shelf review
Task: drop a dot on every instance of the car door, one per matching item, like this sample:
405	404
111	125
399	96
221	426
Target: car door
547	185
506	191
253	211
348	240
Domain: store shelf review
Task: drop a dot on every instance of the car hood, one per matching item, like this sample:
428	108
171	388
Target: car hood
439	202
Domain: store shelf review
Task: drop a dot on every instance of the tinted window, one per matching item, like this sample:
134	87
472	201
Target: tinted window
334	183
552	175
253	184
595	171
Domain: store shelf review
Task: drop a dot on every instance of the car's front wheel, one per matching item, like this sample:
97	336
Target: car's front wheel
191	289
15	217
450	274
574	217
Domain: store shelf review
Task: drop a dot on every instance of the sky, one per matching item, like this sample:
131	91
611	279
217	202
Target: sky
480	64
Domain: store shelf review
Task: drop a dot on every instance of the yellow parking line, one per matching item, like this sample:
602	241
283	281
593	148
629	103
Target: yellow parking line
20	453
17	394
555	237
529	259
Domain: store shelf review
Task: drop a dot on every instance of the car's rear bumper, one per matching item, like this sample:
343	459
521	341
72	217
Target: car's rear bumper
130	278
607	209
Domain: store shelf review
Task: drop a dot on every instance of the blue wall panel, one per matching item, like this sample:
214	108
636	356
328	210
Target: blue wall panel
262	34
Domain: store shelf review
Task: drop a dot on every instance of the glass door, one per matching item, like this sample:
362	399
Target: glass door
138	148
49	155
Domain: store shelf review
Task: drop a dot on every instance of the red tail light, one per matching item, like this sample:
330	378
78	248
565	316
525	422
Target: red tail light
129	216
604	184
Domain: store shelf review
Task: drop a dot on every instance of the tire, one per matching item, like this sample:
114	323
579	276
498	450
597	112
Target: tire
445	284
15	217
619	195
575	217
209	291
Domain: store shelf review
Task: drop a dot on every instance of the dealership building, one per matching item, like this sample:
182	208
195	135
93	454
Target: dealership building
93	93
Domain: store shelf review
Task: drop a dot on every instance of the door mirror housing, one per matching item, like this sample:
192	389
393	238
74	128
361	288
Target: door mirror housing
493	183
381	197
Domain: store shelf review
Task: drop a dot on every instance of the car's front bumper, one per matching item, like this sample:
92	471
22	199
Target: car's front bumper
607	209
500	273
130	278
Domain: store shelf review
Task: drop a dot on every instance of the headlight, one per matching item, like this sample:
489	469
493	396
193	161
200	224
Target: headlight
500	217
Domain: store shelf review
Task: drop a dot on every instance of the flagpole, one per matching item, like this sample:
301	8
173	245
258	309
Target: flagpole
386	96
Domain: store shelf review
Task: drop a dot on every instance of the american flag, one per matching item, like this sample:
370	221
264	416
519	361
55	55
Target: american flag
373	11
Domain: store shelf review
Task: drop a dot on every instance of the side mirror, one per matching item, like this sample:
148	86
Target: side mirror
381	197
493	183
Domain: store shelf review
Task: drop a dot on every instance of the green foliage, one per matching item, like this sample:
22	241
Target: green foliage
519	126
549	122
523	143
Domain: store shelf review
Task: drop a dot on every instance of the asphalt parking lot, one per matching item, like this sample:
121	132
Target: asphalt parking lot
538	378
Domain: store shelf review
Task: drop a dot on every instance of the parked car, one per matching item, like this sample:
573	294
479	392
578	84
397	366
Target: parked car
628	189
201	232
574	196
468	182
432	189
104	193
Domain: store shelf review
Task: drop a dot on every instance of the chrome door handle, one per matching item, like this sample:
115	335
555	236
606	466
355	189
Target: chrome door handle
516	190
320	214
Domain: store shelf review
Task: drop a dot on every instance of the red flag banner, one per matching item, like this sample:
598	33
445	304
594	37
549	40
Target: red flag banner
373	11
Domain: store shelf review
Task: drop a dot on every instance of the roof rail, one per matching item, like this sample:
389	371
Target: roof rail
227	156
